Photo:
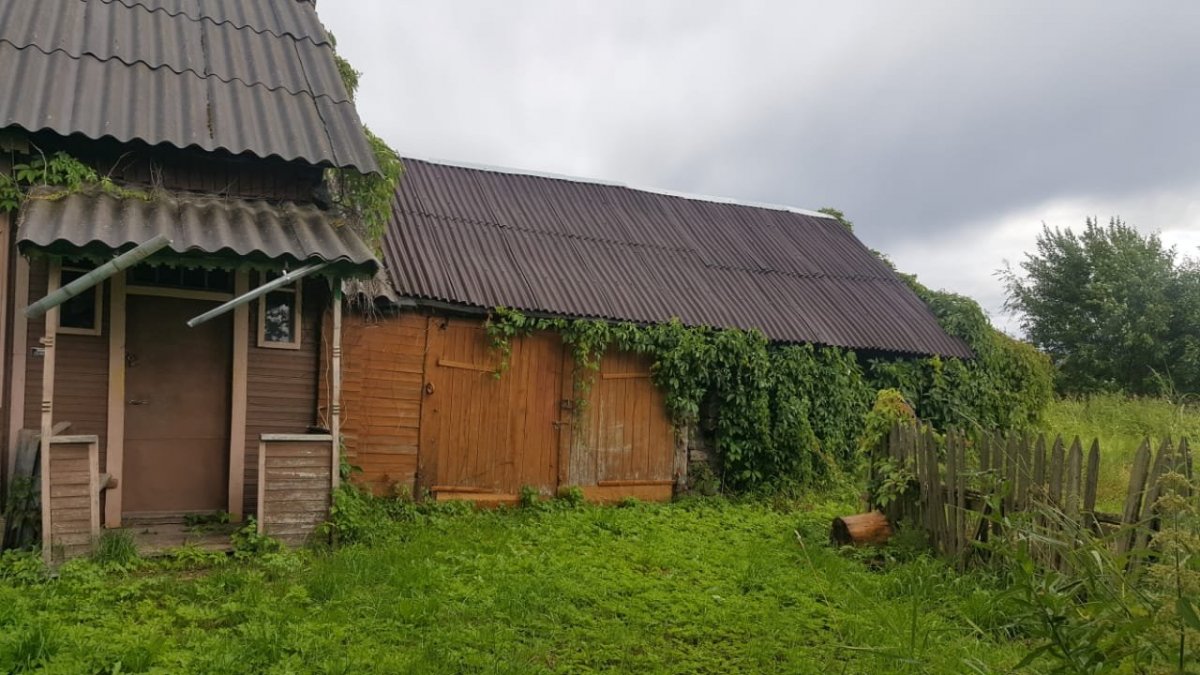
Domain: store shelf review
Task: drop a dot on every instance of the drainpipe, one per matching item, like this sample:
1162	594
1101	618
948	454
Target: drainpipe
98	275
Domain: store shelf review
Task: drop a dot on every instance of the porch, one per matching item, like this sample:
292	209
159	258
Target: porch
185	363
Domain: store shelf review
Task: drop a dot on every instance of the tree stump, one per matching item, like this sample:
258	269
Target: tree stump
862	529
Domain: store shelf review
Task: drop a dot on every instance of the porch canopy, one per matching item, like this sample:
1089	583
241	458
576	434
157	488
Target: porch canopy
204	230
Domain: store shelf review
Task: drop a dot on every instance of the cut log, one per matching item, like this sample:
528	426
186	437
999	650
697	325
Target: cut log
859	530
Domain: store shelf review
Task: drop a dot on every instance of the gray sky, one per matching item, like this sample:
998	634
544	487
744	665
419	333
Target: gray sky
947	131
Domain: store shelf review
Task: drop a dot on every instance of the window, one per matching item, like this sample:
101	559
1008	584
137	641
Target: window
279	316
81	314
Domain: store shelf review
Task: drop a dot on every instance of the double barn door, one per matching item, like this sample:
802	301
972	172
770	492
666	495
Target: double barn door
490	428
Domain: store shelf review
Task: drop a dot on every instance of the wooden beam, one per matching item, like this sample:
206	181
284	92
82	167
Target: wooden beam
335	394
20	341
5	246
262	483
51	320
114	463
237	416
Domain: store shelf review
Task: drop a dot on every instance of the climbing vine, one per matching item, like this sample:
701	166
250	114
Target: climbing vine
365	198
790	414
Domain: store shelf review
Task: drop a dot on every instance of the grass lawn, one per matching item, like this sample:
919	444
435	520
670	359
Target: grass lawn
692	587
1120	424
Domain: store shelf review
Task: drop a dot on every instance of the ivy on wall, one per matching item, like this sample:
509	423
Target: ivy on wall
793	414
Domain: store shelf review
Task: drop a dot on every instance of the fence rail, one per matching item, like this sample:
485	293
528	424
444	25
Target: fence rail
951	486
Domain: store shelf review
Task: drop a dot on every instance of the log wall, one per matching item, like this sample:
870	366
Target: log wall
294	486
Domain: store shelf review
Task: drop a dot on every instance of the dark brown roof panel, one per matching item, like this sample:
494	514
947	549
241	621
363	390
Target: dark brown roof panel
283	233
488	238
244	77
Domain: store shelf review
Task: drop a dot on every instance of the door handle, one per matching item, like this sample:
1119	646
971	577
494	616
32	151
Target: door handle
138	401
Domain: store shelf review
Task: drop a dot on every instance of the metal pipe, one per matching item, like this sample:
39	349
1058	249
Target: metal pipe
261	290
87	281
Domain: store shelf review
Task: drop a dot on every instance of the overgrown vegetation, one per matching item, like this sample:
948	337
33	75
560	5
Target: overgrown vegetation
699	586
788	414
63	173
366	198
1097	611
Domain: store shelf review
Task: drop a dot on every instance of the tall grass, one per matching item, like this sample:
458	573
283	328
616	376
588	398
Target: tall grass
1120	423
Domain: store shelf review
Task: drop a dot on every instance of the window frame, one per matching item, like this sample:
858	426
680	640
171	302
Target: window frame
57	267
297	290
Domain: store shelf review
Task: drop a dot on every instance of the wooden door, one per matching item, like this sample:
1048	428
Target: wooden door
482	436
177	386
624	445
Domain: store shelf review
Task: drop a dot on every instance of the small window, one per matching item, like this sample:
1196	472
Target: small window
81	314
279	316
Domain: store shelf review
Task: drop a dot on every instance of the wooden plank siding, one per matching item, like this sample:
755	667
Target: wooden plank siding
423	409
293	491
74	502
80	374
382	384
624	441
281	384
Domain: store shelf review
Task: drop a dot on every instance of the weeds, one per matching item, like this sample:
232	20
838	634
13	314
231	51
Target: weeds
116	550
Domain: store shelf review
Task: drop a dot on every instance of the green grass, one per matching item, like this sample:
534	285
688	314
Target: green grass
692	587
1120	424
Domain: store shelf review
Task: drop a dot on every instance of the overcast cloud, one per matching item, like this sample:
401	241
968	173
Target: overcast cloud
948	131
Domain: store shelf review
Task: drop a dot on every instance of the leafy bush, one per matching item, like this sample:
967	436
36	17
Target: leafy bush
248	542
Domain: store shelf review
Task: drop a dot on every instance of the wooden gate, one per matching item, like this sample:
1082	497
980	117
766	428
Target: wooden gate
483	436
624	443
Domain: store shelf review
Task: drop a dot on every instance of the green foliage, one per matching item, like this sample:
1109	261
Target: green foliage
21	509
1006	386
1120	423
21	568
572	495
116	550
839	216
1097	611
61	171
247	542
1113	307
794	414
529	496
704	586
366	199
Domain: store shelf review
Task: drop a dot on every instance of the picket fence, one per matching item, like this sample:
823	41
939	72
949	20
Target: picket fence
954	485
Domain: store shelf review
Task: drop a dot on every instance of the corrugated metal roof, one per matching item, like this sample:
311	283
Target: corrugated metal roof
246	77
256	230
488	238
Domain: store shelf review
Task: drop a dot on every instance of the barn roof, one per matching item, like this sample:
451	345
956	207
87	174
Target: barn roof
256	77
488	238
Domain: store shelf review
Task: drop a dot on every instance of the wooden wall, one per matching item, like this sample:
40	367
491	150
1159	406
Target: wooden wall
624	442
74	496
383	365
296	475
80	373
281	384
423	409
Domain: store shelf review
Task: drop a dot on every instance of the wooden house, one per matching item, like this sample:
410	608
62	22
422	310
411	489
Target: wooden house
425	409
212	126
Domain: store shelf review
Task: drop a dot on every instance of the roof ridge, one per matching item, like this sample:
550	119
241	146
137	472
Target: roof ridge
169	67
656	247
633	188
132	4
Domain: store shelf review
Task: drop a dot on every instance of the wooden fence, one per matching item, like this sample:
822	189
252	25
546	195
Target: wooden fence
951	486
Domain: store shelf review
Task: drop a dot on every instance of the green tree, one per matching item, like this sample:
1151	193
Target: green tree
1112	307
